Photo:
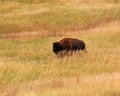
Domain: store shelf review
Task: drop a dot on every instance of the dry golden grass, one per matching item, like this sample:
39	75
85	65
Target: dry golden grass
28	67
56	17
101	85
31	71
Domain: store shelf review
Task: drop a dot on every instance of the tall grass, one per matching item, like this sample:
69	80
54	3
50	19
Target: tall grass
30	1
28	67
60	18
37	55
59	1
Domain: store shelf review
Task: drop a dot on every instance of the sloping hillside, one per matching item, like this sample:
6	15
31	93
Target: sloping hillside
28	67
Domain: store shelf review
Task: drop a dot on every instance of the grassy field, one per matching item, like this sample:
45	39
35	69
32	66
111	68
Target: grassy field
28	67
56	17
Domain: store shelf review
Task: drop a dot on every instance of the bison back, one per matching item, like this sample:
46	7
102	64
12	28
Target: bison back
77	44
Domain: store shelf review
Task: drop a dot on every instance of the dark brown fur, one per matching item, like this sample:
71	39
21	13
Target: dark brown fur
68	44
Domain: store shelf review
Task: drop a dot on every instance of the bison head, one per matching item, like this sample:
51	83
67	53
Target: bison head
57	47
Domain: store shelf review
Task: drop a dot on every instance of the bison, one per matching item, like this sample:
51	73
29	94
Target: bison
68	44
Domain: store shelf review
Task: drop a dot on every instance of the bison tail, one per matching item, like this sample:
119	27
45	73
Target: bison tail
84	48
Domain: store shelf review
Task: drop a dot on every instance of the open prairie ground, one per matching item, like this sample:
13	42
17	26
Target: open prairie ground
28	67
